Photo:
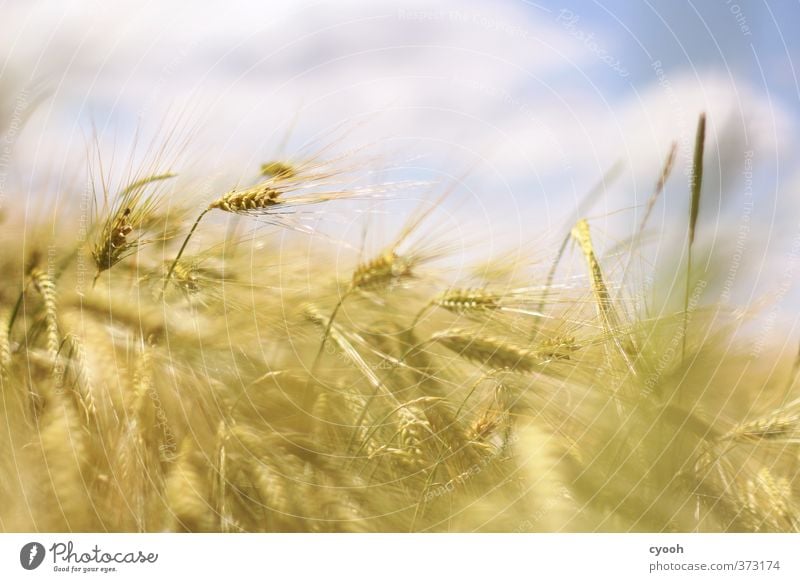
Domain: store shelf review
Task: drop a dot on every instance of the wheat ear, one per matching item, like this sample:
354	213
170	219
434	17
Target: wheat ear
47	288
460	300
605	304
5	347
498	354
377	273
694	211
586	203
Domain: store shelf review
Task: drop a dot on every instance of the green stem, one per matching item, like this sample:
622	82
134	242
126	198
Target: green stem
686	300
422	312
327	331
183	248
14	313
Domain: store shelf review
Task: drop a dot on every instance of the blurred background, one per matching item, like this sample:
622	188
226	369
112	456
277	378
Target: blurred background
527	105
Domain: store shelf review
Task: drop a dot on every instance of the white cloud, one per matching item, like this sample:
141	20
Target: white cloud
502	86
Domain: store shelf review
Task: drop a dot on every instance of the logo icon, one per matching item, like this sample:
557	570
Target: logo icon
31	555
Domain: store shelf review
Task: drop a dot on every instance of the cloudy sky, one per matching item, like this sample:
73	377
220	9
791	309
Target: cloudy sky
537	100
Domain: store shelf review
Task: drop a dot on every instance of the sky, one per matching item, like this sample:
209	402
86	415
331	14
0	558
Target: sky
526	104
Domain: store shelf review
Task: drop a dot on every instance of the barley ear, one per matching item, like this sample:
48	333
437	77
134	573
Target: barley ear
694	211
605	304
662	181
47	288
5	347
585	204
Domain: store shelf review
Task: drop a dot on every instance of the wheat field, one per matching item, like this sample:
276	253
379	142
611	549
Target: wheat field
162	371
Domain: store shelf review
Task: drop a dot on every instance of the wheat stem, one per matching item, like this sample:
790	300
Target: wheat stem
585	204
183	248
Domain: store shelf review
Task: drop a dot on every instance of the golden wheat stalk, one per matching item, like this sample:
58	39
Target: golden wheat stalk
583	207
277	197
343	343
389	268
481	301
46	287
780	426
84	388
605	303
498	354
666	171
121	233
5	346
